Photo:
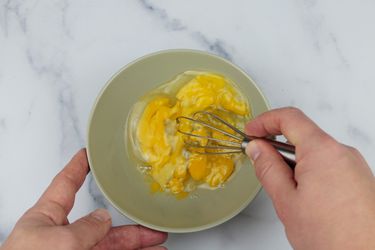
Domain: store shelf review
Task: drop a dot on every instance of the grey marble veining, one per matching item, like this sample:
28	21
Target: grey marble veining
55	56
170	24
217	46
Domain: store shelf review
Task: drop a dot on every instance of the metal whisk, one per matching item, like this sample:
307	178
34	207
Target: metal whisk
236	142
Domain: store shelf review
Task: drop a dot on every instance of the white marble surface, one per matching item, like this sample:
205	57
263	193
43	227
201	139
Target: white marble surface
55	55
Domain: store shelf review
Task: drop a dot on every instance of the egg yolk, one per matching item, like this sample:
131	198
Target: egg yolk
172	167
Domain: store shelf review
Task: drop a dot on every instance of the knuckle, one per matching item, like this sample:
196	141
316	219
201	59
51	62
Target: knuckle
342	150
90	222
343	153
328	142
67	178
354	151
338	150
51	210
293	111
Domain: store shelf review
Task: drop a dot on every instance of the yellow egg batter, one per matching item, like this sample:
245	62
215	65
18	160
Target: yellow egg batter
171	166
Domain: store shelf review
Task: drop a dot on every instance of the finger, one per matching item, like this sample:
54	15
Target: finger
272	171
290	122
92	228
58	199
155	248
131	237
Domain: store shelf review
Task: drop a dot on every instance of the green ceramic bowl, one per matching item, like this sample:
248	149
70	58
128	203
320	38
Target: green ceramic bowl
116	173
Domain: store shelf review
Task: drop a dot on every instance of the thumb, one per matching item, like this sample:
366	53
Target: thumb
92	228
272	171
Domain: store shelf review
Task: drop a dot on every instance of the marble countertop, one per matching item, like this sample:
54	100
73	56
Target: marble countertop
56	55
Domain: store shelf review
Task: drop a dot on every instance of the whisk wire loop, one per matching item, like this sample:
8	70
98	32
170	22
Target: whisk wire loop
222	146
205	124
223	122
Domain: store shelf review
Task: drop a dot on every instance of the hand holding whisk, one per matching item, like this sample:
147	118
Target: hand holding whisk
235	140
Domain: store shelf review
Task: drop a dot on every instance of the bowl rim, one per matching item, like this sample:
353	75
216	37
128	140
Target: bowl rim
101	188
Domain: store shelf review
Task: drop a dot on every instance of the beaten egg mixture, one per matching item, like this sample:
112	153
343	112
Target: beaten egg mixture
172	167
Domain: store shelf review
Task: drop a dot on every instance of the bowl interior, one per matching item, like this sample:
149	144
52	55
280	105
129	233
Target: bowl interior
116	173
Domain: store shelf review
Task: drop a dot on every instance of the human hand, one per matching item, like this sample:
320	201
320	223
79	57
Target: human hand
328	202
46	226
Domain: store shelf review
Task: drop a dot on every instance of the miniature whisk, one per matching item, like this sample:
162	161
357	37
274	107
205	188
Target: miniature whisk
207	133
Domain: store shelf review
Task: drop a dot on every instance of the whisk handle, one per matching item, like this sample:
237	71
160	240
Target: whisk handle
286	150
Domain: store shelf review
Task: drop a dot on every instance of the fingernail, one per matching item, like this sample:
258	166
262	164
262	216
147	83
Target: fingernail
101	214
252	150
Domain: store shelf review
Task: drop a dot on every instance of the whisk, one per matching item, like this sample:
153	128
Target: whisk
236	142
